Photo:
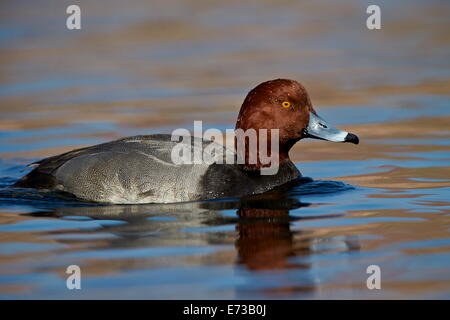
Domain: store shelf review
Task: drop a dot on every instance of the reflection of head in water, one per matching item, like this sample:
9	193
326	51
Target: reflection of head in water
265	239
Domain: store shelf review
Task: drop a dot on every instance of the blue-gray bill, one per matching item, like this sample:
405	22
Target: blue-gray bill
320	129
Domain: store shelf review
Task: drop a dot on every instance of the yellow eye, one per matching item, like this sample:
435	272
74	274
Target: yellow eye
286	104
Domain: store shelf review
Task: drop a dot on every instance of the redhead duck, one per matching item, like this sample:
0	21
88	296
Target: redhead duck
140	169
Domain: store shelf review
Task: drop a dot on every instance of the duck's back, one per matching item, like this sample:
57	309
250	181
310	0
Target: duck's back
139	169
136	169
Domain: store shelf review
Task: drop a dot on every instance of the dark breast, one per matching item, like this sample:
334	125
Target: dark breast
230	180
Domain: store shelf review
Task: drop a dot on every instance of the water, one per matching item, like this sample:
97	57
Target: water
148	68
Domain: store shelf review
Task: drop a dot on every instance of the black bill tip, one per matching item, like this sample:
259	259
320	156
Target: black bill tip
352	138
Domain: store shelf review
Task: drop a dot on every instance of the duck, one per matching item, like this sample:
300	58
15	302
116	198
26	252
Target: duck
140	169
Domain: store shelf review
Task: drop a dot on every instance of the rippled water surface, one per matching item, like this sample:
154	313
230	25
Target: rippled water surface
152	66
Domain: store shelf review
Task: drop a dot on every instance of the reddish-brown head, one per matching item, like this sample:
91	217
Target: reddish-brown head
285	105
277	104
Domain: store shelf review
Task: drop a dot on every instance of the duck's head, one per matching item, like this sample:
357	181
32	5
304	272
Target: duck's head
285	105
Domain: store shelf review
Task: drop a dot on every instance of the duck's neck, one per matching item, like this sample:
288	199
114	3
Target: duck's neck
260	150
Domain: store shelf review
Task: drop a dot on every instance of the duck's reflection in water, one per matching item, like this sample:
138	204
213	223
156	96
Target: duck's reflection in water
260	228
265	239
